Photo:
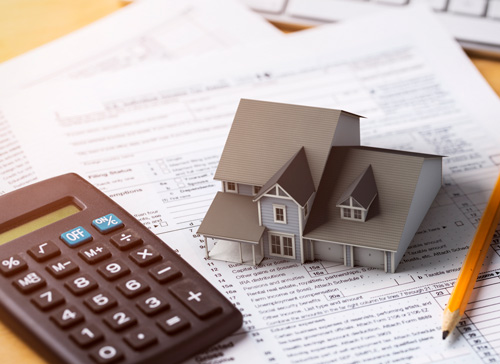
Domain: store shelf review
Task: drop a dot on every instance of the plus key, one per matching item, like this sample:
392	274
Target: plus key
195	298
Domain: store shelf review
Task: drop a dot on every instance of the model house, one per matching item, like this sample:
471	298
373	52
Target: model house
297	185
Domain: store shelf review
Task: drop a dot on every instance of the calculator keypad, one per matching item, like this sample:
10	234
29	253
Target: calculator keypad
119	292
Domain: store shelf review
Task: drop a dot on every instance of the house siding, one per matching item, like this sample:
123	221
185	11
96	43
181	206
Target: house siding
246	190
290	228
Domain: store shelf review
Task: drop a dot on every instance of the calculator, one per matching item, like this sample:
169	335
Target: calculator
82	281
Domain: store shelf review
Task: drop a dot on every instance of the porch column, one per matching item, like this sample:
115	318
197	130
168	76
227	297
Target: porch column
253	254
241	255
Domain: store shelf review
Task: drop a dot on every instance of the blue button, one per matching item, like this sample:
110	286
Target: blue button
76	236
107	223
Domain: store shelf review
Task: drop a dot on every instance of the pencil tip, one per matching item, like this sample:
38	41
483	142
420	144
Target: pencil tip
445	334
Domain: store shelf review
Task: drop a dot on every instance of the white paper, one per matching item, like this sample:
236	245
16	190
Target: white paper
143	32
151	140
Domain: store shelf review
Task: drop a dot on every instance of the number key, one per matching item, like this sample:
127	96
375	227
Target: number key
81	284
113	270
152	304
87	335
120	320
48	300
106	353
100	302
67	317
133	287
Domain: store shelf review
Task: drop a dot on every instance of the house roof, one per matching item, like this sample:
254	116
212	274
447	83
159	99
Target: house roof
234	217
396	174
363	189
265	135
294	177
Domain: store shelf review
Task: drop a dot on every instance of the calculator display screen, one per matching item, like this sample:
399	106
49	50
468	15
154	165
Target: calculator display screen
38	222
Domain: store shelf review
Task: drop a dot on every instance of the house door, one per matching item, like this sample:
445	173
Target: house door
329	251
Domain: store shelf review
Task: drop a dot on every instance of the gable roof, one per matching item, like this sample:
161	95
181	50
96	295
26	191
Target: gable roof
265	135
396	173
363	189
294	177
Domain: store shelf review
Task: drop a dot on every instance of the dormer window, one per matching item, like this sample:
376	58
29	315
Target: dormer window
358	197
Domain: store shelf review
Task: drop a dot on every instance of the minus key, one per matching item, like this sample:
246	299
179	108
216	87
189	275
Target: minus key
165	272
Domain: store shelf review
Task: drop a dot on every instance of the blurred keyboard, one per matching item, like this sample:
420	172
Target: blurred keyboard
474	23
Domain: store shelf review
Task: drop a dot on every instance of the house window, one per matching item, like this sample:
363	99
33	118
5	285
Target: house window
231	187
358	215
256	189
279	214
347	213
282	245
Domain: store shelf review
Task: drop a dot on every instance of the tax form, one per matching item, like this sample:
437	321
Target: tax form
143	32
154	148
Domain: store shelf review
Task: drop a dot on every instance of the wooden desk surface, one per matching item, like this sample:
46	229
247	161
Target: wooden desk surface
27	24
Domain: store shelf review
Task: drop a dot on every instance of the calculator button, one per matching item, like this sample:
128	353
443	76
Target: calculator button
140	339
100	302
126	240
48	300
86	336
76	236
94	254
30	282
107	223
81	284
44	251
165	272
144	256
133	287
12	265
62	268
120	320
113	270
152	304
195	298
105	354
67	317
173	323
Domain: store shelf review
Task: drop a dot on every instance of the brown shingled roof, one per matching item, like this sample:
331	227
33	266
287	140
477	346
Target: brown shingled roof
294	177
396	174
265	135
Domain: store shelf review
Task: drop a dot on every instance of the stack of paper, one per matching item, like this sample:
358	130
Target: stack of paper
150	136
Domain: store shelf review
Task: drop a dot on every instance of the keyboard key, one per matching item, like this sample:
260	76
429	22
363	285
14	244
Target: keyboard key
165	272
145	255
173	323
193	297
30	282
120	320
86	335
12	265
126	240
468	7
113	270
140	339
67	317
62	268
152	304
94	253
81	284
133	287
107	223
44	251
76	236
106	354
100	302
47	300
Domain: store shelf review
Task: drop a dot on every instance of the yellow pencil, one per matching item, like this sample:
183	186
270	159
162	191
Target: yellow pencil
473	262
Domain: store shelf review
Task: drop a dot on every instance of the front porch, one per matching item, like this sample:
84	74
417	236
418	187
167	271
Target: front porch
237	252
